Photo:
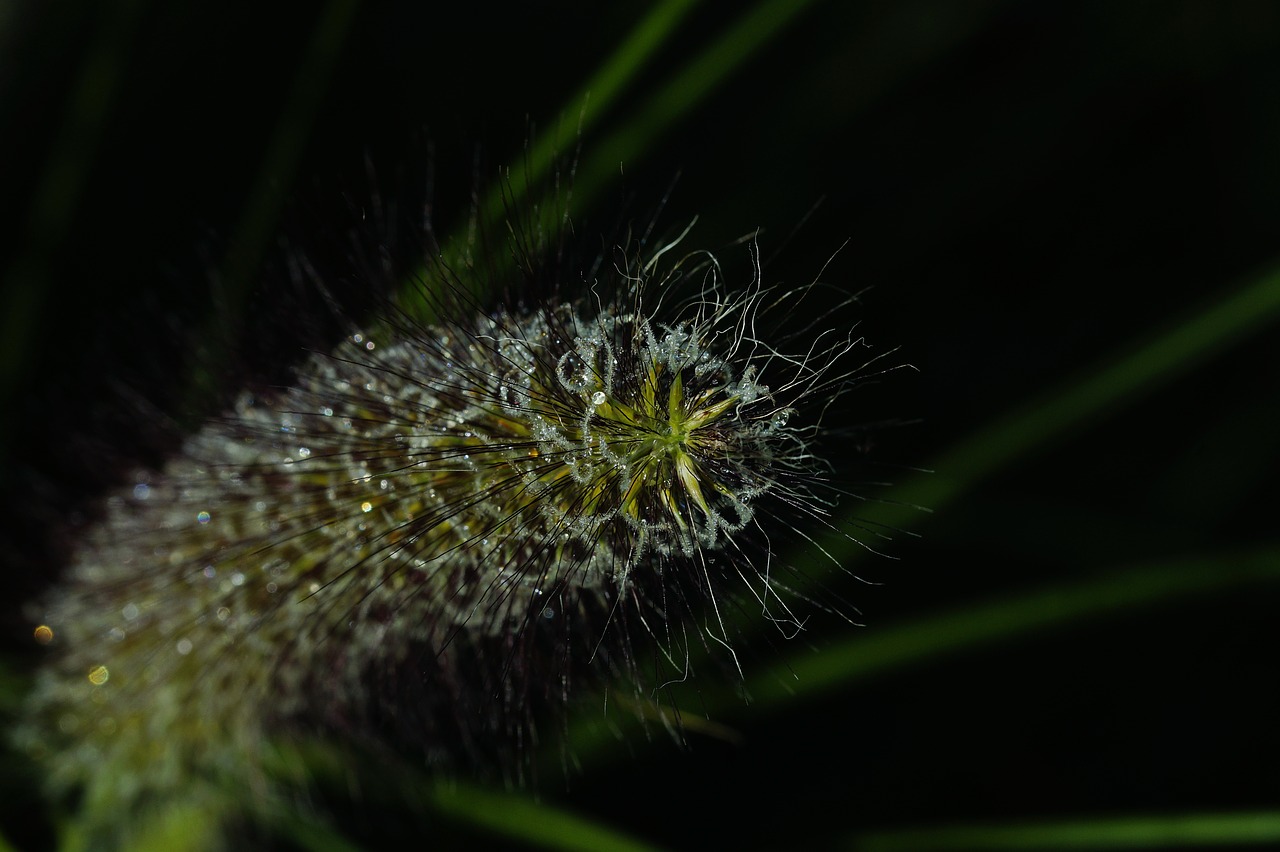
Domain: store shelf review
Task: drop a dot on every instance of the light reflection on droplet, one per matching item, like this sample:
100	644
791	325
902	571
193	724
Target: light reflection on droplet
202	517
44	634
98	675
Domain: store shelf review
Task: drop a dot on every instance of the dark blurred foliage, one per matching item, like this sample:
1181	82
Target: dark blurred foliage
1026	188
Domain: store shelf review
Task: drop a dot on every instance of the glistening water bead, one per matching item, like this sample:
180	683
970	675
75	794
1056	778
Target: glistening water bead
422	500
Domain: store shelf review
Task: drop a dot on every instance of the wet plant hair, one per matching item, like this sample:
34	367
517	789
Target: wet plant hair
441	528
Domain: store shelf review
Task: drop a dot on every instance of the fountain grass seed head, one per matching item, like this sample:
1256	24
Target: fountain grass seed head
434	531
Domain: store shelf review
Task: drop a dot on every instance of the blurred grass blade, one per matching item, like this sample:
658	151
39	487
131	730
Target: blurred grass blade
266	199
871	652
686	89
682	93
410	787
288	140
1121	381
1136	832
57	194
312	836
591	102
520	818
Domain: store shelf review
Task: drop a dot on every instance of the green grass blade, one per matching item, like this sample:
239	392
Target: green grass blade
313	836
590	103
687	88
1122	380
1133	832
266	199
628	143
527	175
521	818
57	194
410	787
280	160
872	652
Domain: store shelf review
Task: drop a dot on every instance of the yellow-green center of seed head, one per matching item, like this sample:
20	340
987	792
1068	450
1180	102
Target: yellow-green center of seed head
662	439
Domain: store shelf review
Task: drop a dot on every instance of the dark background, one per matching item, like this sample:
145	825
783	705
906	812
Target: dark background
1027	190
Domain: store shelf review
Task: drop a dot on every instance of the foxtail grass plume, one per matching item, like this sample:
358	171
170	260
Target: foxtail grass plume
435	533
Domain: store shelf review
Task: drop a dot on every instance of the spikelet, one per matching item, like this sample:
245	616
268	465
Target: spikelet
432	531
